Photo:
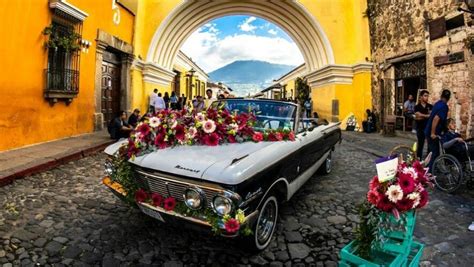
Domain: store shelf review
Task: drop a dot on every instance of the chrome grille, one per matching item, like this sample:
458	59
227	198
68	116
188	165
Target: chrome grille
169	186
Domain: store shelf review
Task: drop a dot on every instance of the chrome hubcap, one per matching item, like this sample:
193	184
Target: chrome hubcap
266	223
328	164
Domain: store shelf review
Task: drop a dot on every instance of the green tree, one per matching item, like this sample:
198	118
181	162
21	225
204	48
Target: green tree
302	90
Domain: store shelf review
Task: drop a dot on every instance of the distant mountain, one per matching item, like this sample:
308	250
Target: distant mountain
249	76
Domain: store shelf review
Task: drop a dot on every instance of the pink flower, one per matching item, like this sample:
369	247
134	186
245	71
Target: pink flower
144	129
160	141
404	204
406	182
257	137
141	195
157	199
169	203
272	137
232	226
179	132
374	183
209	126
373	197
211	139
423	198
385	204
279	136
231	138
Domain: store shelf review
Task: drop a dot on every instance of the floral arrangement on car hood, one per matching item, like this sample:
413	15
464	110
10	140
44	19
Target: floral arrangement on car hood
212	127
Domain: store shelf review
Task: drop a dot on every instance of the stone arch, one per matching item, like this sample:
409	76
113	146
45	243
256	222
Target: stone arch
290	15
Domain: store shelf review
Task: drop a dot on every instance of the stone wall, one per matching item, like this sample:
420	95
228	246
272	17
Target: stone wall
400	29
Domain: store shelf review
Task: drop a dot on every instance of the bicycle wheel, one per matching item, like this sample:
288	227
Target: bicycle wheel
447	172
405	152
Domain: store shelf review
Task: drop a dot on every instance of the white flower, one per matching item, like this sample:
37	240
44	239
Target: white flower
200	117
209	126
394	193
155	122
174	124
411	171
415	196
234	127
192	132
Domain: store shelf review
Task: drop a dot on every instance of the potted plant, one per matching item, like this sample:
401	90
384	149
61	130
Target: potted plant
68	40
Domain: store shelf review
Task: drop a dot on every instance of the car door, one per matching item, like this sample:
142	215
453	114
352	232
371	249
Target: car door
311	147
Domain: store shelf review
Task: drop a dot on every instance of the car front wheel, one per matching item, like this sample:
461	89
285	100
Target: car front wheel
264	226
326	167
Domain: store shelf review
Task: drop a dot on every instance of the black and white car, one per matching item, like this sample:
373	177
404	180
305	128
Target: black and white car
253	177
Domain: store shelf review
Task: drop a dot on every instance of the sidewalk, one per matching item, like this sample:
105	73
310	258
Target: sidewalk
17	163
375	143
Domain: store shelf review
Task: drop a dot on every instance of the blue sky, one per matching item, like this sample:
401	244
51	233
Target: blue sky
240	37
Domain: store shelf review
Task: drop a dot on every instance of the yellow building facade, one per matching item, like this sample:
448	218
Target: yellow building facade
128	47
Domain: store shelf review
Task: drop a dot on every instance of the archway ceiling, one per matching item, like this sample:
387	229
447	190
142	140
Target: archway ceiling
289	15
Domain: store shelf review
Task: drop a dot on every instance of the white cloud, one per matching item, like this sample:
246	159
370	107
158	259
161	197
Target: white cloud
272	31
211	53
246	26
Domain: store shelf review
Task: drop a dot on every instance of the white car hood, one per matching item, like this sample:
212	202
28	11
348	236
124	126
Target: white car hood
192	161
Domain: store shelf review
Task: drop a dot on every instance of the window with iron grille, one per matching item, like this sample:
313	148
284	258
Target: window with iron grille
62	71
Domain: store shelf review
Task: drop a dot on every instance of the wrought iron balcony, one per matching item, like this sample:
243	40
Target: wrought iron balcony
61	84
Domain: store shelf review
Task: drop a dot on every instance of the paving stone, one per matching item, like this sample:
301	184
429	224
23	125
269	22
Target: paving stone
53	248
337	219
172	264
282	256
46	223
61	239
293	237
72	252
40	242
298	250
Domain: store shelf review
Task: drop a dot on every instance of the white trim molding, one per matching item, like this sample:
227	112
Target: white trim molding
153	73
68	8
337	74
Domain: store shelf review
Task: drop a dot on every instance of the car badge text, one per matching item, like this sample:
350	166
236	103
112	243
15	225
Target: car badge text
186	169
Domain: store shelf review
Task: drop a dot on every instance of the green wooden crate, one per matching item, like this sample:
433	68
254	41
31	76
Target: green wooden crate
399	240
415	254
349	257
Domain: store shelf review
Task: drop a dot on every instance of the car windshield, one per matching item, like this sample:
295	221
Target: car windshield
270	114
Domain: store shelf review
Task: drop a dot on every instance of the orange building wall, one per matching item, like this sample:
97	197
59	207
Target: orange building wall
25	116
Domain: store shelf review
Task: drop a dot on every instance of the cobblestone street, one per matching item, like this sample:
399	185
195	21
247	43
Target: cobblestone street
67	217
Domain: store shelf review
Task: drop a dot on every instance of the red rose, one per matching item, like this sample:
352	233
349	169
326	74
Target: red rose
291	136
141	195
179	132
231	138
169	203
272	137
157	199
279	136
211	139
232	226
257	137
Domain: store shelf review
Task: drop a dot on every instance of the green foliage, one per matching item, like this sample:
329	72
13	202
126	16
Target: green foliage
302	89
69	42
367	230
123	175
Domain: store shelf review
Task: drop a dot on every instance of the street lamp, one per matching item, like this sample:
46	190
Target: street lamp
190	73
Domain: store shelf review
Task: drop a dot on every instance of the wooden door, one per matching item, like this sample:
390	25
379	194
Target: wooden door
110	90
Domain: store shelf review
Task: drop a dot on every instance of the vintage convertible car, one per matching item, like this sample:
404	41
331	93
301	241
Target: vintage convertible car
252	177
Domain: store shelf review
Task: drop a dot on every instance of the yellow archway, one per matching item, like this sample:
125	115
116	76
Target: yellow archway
289	15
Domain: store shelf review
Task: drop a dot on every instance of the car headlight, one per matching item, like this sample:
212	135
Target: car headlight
222	205
194	198
109	167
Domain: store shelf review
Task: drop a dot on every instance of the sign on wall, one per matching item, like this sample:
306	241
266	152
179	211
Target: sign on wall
449	59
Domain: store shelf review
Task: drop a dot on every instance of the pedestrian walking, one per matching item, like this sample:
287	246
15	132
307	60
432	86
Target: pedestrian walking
153	96
422	114
166	98
159	103
436	124
173	101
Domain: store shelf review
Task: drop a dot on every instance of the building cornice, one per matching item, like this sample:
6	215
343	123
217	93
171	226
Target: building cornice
152	73
69	9
187	60
337	74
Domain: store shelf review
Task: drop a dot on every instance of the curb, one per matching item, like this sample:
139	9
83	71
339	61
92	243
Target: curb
21	171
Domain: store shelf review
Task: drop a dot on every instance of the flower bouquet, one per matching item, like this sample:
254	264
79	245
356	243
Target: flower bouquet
387	217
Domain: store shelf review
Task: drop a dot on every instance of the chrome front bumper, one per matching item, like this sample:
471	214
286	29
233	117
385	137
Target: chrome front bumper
155	212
